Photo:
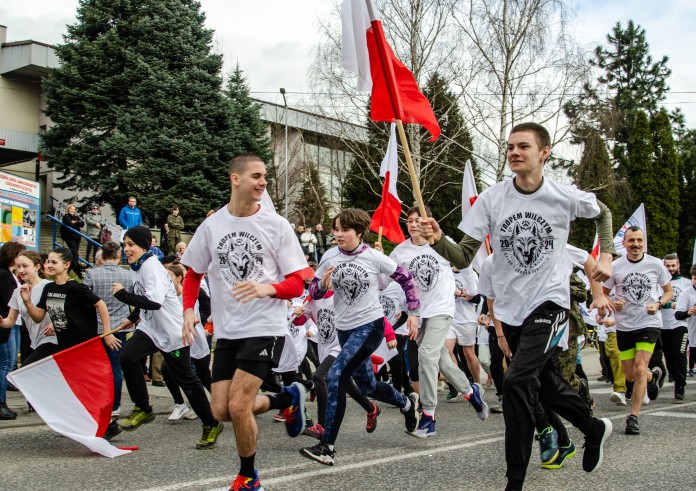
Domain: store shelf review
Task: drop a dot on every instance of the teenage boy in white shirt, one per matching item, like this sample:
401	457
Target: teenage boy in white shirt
247	250
528	219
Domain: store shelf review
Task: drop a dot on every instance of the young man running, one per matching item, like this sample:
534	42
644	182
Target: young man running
674	332
636	277
436	287
528	218
246	249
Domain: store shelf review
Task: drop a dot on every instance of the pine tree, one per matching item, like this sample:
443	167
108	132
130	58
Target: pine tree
595	174
665	206
138	108
687	188
313	205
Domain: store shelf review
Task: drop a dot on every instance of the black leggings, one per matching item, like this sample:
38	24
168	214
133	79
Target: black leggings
202	367
412	354
140	346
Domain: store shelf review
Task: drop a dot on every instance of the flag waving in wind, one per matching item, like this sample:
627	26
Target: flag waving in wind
73	392
389	210
365	52
638	220
469	196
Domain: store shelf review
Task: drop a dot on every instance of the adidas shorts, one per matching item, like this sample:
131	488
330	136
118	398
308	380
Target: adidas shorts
257	356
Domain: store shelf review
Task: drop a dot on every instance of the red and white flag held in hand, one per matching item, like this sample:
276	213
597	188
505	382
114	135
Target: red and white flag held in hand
389	210
469	196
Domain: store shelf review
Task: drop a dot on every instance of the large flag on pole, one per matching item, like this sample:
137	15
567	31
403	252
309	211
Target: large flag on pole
389	210
469	196
365	52
637	219
73	392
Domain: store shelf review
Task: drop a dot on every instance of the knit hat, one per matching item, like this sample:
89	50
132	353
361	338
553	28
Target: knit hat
141	236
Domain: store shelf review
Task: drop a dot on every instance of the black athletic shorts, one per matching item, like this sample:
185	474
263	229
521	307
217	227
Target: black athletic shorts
257	356
640	339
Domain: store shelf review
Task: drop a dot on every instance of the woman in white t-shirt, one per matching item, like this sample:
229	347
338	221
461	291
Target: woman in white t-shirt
353	270
43	339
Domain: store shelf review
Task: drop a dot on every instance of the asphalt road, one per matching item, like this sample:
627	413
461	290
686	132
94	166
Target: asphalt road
466	454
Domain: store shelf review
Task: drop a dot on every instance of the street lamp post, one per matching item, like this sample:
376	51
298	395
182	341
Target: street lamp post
285	103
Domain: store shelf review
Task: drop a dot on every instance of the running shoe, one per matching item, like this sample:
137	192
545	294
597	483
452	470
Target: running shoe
452	396
618	398
210	436
654	385
411	415
243	483
632	427
679	394
111	431
191	415
316	431
178	412
280	417
136	418
564	453
594	445
116	413
477	402
319	452
295	413
548	445
371	425
498	408
426	427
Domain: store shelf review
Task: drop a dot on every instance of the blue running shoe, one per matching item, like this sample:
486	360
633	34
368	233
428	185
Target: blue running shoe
564	453
426	427
477	403
548	445
243	483
295	413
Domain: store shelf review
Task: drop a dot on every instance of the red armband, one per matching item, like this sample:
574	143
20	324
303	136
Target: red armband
190	289
291	287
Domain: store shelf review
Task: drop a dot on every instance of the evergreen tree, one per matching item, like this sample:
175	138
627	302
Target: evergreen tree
663	216
687	185
596	174
313	205
138	108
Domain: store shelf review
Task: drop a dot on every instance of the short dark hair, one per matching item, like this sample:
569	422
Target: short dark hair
632	228
415	209
9	252
354	218
240	162
110	251
671	257
175	206
542	135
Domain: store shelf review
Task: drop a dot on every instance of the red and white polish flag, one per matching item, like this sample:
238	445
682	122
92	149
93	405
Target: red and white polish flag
73	392
469	196
389	210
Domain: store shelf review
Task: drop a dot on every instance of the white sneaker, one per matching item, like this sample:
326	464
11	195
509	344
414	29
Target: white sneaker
646	399
618	398
116	413
178	411
191	415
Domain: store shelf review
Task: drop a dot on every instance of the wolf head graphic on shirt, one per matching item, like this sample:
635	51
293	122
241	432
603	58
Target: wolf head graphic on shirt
525	240
425	270
636	288
351	282
240	257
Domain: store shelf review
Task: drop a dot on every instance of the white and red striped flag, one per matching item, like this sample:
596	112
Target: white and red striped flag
365	52
73	392
388	212
637	219
469	196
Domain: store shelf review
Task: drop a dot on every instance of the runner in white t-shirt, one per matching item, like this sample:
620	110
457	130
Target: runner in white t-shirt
435	282
158	314
253	261
674	333
464	328
528	220
637	278
354	270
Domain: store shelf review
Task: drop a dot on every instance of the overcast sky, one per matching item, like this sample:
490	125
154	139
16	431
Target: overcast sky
273	39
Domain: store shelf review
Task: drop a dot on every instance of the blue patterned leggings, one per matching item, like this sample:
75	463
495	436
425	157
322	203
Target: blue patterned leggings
354	360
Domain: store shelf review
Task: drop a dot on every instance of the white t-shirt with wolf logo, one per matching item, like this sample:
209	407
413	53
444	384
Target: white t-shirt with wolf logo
262	248
355	280
528	234
432	274
637	284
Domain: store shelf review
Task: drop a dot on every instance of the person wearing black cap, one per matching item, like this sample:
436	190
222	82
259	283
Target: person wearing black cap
158	310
